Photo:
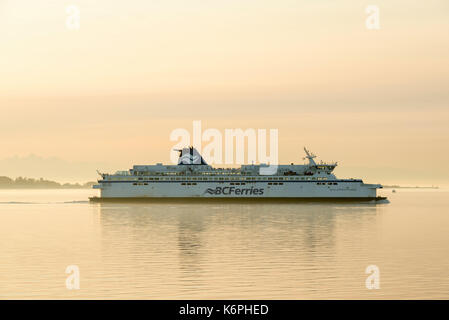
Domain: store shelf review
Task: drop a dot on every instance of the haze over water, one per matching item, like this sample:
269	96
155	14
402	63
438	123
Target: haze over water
223	251
107	95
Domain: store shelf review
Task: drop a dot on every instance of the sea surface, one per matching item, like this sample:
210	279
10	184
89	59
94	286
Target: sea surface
223	251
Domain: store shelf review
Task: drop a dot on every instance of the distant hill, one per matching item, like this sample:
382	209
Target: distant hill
53	168
30	183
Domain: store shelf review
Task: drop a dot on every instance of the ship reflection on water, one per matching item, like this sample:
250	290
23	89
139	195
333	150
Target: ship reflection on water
184	250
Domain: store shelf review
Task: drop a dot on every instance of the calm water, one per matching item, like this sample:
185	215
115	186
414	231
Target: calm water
223	251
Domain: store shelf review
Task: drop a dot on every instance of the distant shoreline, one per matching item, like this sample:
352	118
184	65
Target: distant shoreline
416	187
30	183
42	188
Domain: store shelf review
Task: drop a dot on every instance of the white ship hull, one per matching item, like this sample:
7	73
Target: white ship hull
293	189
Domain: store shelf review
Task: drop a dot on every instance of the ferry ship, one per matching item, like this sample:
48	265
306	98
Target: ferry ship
193	178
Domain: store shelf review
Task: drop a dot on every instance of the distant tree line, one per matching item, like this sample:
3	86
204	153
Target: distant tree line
30	183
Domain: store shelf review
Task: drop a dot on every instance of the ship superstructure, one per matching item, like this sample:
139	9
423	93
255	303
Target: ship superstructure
193	178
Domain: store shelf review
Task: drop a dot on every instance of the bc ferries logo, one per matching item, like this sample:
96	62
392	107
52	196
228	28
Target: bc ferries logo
188	159
235	191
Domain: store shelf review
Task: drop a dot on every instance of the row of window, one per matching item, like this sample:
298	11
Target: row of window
223	179
143	173
235	183
194	183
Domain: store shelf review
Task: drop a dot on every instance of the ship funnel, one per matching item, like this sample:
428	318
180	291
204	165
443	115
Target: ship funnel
190	156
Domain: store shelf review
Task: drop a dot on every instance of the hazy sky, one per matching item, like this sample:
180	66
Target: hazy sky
109	94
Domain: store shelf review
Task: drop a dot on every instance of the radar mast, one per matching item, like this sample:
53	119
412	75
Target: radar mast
310	156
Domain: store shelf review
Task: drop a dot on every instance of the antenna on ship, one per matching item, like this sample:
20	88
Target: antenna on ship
309	156
101	174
